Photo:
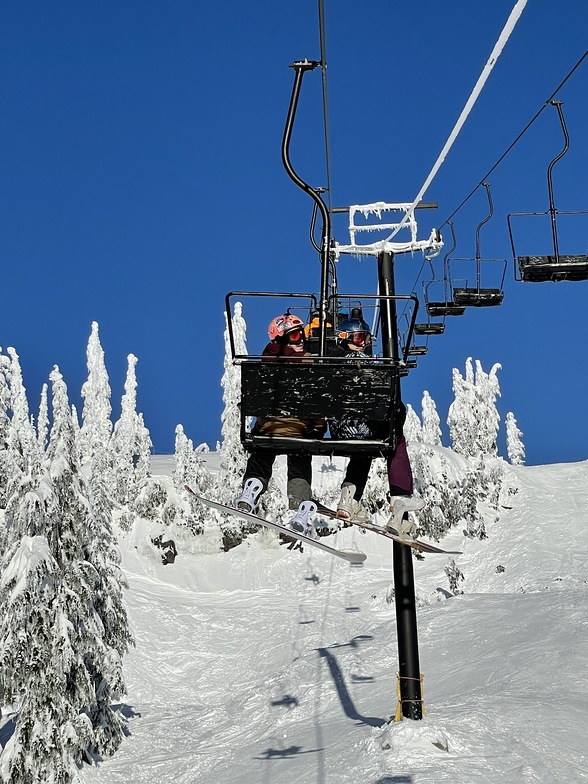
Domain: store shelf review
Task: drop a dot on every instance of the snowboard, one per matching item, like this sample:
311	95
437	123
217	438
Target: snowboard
416	544
354	557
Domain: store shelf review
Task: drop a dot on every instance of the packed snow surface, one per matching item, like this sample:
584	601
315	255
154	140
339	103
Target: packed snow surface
279	667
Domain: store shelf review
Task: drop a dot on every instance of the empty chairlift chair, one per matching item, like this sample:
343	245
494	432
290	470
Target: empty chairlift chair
556	266
447	306
477	296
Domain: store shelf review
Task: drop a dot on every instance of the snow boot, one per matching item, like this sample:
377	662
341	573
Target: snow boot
302	521
400	524
249	498
350	509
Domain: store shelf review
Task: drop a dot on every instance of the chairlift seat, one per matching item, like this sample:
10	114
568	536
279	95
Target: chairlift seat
317	446
538	269
445	309
417	351
478	298
319	390
432	328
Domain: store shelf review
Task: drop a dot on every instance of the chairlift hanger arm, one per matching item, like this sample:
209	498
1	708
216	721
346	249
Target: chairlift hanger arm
486	219
300	68
566	147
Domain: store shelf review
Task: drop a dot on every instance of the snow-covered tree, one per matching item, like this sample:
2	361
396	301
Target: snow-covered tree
62	668
412	426
473	417
431	432
131	443
43	420
22	437
488	419
5	468
96	426
461	416
191	470
514	444
83	544
232	457
42	673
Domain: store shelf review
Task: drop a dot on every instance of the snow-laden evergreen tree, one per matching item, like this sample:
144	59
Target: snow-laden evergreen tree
43	420
44	634
412	426
190	469
514	444
82	542
488	419
232	457
62	669
5	468
96	426
131	443
22	437
461	417
42	674
431	431
22	457
473	418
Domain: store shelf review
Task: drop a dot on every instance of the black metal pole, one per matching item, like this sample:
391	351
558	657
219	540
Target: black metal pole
300	68
404	593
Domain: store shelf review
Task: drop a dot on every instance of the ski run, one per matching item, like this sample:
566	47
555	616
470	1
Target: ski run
273	666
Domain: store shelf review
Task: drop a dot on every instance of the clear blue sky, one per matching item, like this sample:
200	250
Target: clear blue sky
141	180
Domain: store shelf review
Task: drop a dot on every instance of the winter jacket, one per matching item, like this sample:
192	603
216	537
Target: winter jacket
289	427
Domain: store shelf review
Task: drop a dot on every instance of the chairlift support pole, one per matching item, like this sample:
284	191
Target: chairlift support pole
404	590
300	68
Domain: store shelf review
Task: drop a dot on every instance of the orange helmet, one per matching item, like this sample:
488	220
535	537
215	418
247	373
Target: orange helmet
281	325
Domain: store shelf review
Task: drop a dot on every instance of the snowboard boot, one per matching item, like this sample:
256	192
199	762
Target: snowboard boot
350	509
400	524
249	498
302	521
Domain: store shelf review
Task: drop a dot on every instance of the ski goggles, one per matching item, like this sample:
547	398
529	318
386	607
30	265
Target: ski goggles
359	338
295	336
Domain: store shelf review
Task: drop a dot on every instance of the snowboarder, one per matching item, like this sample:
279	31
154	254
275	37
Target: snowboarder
287	339
354	340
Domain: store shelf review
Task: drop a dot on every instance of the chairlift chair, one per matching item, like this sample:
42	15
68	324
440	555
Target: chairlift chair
429	328
322	387
447	307
478	297
556	267
417	351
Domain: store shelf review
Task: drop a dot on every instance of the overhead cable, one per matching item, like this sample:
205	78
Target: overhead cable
495	54
521	134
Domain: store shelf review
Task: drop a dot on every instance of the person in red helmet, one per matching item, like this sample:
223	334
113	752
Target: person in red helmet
287	339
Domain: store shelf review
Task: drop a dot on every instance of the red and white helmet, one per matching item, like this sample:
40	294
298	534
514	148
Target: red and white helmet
282	325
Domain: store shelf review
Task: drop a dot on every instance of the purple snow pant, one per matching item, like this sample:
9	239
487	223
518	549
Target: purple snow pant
399	471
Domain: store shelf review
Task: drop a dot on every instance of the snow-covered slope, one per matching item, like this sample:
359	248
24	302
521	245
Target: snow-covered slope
271	666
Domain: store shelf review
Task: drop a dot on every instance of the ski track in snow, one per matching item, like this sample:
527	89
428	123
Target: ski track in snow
282	668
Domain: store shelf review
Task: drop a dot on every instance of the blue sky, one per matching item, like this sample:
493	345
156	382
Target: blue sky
141	181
